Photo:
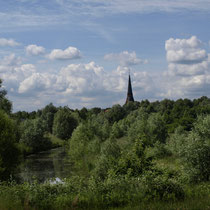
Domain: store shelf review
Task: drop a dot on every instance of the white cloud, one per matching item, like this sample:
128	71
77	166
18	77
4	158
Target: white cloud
185	51
67	54
81	79
36	82
76	85
89	84
188	69
8	42
11	60
25	70
125	58
35	50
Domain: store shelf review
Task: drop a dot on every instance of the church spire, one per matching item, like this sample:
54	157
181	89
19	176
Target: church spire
129	93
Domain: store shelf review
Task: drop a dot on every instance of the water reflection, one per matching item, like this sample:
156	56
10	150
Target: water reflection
45	165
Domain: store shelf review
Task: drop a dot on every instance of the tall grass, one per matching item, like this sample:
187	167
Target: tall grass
117	193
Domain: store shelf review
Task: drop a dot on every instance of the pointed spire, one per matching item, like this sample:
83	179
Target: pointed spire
129	93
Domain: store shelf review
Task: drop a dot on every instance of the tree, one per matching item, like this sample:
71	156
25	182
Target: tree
64	123
156	128
33	135
5	104
115	114
48	116
197	150
9	153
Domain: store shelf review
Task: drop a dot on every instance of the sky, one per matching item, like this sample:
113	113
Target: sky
78	53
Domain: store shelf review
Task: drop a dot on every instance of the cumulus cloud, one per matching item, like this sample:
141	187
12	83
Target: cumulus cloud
8	42
125	58
185	51
186	57
85	79
76	85
67	54
11	60
35	50
188	72
34	83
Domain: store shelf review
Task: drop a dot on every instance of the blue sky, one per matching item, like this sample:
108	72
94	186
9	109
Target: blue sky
78	53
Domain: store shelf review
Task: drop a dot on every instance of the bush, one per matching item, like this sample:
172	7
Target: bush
177	141
196	154
197	159
161	185
158	150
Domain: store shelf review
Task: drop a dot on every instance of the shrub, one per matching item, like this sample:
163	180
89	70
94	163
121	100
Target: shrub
196	155
197	159
161	185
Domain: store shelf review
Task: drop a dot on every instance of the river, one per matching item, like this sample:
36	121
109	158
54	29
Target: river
43	166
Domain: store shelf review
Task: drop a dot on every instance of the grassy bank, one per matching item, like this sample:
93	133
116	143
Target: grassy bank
78	193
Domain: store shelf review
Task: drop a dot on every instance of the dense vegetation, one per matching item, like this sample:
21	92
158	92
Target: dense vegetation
149	155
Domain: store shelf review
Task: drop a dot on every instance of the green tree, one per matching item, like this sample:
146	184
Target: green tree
197	150
48	116
33	132
9	153
64	123
5	104
115	114
156	128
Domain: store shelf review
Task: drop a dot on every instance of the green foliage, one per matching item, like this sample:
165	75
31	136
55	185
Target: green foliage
134	162
33	132
108	159
5	104
115	114
114	193
150	126
156	128
117	130
194	149
137	153
197	157
162	185
137	124
158	150
197	152
177	140
131	106
48	116
9	153
64	123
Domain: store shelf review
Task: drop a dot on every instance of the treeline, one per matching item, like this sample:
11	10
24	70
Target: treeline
134	153
127	140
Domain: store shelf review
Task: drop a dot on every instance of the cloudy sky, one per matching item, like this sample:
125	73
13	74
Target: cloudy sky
79	52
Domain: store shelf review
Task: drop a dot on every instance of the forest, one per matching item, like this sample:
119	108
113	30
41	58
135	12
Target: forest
142	155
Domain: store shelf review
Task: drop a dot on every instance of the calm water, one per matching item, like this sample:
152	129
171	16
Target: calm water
45	165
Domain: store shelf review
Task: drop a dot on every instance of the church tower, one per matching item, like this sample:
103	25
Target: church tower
129	93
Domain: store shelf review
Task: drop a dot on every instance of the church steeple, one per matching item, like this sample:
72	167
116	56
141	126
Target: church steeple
129	93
